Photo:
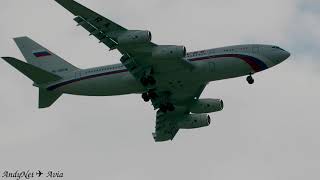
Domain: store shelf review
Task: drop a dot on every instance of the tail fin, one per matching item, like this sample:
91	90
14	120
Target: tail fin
39	77
42	58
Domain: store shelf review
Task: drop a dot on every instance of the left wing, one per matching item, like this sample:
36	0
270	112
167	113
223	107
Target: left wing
99	26
136	47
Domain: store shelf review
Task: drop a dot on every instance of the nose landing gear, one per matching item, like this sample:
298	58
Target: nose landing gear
250	79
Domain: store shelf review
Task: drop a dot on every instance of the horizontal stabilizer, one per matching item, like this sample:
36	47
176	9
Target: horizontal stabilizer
39	76
47	98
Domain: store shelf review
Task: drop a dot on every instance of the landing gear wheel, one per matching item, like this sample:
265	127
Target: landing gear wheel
250	79
145	97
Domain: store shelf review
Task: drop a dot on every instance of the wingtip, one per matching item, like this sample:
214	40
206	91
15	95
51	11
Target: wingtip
9	59
62	2
20	37
6	58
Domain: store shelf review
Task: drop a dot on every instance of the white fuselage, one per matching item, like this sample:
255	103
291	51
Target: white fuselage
210	65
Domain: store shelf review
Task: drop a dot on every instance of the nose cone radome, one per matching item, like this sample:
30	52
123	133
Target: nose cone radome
278	55
283	55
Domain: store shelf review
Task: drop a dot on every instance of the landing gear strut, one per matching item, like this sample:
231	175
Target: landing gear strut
250	79
151	80
159	100
148	81
147	78
167	107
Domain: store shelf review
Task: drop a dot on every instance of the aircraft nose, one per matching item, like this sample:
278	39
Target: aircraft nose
284	55
279	56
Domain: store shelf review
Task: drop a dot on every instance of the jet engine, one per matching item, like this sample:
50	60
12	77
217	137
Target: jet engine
207	106
169	52
134	37
193	121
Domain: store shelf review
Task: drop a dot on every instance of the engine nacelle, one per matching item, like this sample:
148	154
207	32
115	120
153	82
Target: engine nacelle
169	52
193	121
207	106
134	37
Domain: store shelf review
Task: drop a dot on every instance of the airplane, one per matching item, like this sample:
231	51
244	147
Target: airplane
167	75
39	173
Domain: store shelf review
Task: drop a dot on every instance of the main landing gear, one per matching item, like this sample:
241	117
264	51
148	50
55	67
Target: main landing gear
147	78
164	107
148	81
147	96
167	107
250	79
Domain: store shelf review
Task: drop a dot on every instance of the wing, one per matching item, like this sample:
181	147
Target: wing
167	123
178	96
166	127
137	57
99	26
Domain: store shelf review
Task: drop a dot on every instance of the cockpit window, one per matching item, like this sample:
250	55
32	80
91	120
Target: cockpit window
276	47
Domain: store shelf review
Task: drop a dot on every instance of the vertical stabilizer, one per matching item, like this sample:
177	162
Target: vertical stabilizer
41	57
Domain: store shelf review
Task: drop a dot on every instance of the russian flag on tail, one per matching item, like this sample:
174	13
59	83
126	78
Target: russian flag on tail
39	54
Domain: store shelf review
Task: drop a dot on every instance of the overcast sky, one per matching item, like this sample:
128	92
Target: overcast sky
267	131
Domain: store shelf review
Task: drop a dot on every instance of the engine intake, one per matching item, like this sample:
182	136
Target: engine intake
193	121
207	106
169	52
134	37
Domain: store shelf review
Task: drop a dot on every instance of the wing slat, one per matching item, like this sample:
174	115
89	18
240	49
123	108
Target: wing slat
166	127
90	16
102	37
